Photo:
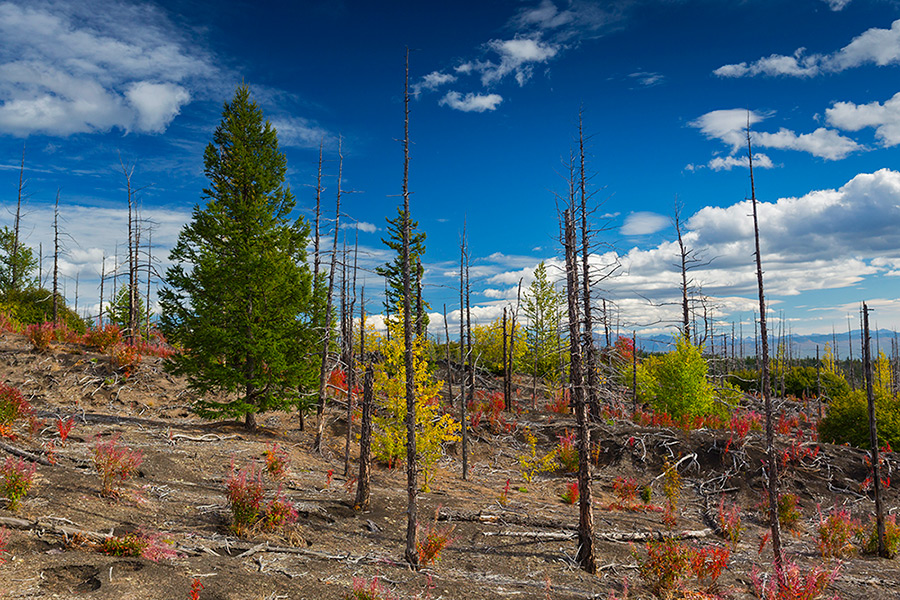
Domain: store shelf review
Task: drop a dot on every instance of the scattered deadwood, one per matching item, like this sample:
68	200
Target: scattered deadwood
24	454
46	525
506	518
206	437
613	536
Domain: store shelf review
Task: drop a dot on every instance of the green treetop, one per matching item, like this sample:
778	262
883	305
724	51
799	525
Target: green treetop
542	306
238	298
393	271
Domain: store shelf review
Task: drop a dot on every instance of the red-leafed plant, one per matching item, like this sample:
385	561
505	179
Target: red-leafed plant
571	494
16	478
64	428
244	490
115	463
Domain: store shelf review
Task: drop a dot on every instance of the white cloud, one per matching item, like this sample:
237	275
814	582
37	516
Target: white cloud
471	102
885	118
826	239
516	56
432	81
647	79
730	125
644	223
875	46
302	133
726	163
156	104
836	5
66	67
361	225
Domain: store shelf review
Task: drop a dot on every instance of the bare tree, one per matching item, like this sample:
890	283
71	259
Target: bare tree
589	357
56	259
585	556
463	354
128	172
873	435
412	487
326	320
365	425
16	275
772	459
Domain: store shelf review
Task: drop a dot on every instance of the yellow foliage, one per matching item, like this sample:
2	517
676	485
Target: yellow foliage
487	342
532	464
828	364
432	428
882	375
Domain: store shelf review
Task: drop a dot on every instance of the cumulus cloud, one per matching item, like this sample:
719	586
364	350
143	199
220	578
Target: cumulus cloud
644	223
826	239
471	102
514	57
69	68
729	126
883	117
726	163
874	46
432	81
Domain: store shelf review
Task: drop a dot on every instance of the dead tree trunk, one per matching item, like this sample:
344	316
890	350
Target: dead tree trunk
56	259
873	435
506	399
772	459
463	356
127	172
326	320
685	306
470	369
590	359
365	442
449	365
585	556
412	486
102	278
15	275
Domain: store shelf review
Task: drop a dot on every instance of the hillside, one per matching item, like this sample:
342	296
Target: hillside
520	548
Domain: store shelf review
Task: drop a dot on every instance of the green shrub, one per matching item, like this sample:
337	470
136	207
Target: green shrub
35	305
847	420
682	386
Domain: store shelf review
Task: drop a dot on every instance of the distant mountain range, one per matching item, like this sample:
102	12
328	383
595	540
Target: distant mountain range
801	345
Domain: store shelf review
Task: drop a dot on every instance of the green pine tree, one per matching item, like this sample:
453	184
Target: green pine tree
542	306
393	271
118	311
238	298
17	265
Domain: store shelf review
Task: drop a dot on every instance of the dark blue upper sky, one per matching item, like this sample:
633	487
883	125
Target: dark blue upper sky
664	85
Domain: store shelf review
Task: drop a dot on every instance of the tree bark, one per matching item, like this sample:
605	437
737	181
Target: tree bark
365	442
412	486
585	555
326	320
56	259
772	458
873	435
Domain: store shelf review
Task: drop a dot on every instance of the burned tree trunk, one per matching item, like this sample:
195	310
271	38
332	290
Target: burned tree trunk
326	320
365	442
56	259
590	362
585	556
463	356
772	456
873	435
412	487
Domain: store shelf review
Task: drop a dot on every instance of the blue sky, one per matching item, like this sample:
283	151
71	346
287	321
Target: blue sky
665	86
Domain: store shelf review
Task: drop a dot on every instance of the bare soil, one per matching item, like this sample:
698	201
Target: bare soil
521	549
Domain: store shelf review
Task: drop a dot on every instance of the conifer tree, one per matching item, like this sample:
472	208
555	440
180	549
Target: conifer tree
393	271
238	297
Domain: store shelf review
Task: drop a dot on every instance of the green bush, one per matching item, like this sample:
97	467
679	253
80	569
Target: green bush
35	305
847	420
682	387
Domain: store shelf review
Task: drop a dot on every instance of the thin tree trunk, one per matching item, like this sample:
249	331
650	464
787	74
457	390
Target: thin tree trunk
365	443
506	402
470	370
585	555
102	278
766	392
590	362
132	254
15	275
850	360
56	259
873	435
326	341
449	365
412	486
